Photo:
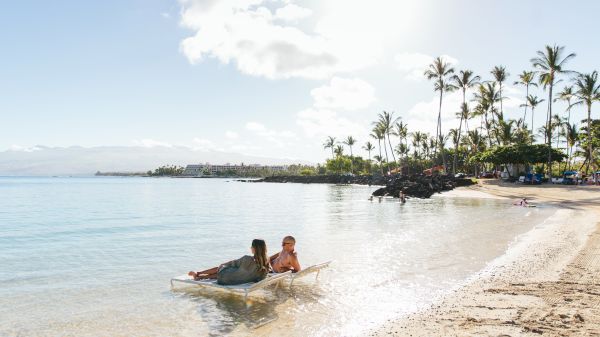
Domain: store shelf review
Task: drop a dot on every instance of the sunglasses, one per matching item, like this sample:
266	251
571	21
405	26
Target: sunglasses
286	243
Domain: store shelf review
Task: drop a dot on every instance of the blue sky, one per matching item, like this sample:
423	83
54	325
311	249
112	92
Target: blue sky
269	78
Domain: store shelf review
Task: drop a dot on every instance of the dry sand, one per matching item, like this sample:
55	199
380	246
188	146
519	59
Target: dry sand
548	282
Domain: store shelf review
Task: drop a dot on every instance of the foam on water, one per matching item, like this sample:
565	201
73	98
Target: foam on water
93	256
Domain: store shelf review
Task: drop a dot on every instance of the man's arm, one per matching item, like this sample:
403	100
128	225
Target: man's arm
273	258
294	262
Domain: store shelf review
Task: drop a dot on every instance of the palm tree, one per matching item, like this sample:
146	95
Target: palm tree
369	147
486	96
402	151
379	134
330	144
454	135
550	63
439	71
417	139
500	75
587	92
527	79
350	141
379	160
558	123
566	95
387	121
505	131
401	131
477	144
572	139
464	80
339	150
533	101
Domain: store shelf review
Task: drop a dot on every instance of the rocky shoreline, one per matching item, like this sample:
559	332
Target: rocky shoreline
418	186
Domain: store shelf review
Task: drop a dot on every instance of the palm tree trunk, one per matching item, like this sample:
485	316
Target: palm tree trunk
380	166
391	148
589	136
387	161
501	111
351	161
532	110
548	131
437	137
454	160
526	104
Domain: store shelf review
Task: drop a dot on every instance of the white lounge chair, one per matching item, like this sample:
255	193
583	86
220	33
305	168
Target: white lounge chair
245	288
308	270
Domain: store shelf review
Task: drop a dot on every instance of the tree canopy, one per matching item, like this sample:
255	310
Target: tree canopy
518	154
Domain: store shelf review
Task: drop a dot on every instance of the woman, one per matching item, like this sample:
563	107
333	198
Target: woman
243	270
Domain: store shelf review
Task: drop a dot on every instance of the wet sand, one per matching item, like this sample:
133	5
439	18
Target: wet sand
548	282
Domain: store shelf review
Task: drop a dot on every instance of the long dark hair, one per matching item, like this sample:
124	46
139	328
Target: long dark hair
260	255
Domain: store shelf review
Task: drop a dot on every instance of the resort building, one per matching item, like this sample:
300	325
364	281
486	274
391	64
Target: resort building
193	170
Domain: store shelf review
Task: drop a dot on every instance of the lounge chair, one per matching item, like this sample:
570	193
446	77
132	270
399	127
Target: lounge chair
245	288
308	270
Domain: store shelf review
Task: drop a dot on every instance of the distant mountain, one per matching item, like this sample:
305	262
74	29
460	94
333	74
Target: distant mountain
77	160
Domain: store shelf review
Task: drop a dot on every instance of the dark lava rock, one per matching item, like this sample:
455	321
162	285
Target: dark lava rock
418	186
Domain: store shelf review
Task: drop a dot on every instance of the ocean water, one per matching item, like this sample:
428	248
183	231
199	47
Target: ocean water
94	256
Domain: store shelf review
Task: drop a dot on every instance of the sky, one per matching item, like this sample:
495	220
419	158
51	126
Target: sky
268	78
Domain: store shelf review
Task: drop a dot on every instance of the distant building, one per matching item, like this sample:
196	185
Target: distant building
193	170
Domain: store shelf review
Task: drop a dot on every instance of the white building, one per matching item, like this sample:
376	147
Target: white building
194	170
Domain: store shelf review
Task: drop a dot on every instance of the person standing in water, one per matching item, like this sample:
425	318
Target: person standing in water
523	203
287	259
243	270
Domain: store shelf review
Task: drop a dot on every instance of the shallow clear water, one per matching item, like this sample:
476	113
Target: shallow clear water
93	256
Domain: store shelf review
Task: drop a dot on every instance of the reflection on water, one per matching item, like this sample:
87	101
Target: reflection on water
93	256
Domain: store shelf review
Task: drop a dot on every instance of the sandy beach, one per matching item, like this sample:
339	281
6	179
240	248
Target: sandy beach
548	282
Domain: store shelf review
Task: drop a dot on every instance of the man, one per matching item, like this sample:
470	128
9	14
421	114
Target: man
287	259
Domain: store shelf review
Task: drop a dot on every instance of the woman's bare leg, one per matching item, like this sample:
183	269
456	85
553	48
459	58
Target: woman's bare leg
204	274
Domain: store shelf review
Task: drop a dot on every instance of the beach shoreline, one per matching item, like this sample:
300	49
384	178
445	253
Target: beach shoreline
546	282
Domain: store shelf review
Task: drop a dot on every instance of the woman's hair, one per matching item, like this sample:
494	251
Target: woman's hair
260	255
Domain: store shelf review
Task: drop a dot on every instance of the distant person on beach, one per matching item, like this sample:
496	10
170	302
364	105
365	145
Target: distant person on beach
523	203
287	259
402	197
243	270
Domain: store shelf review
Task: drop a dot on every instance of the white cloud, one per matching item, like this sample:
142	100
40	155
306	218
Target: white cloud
231	135
345	36
165	15
323	122
19	148
243	31
256	127
202	144
413	65
278	138
348	94
151	143
292	12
